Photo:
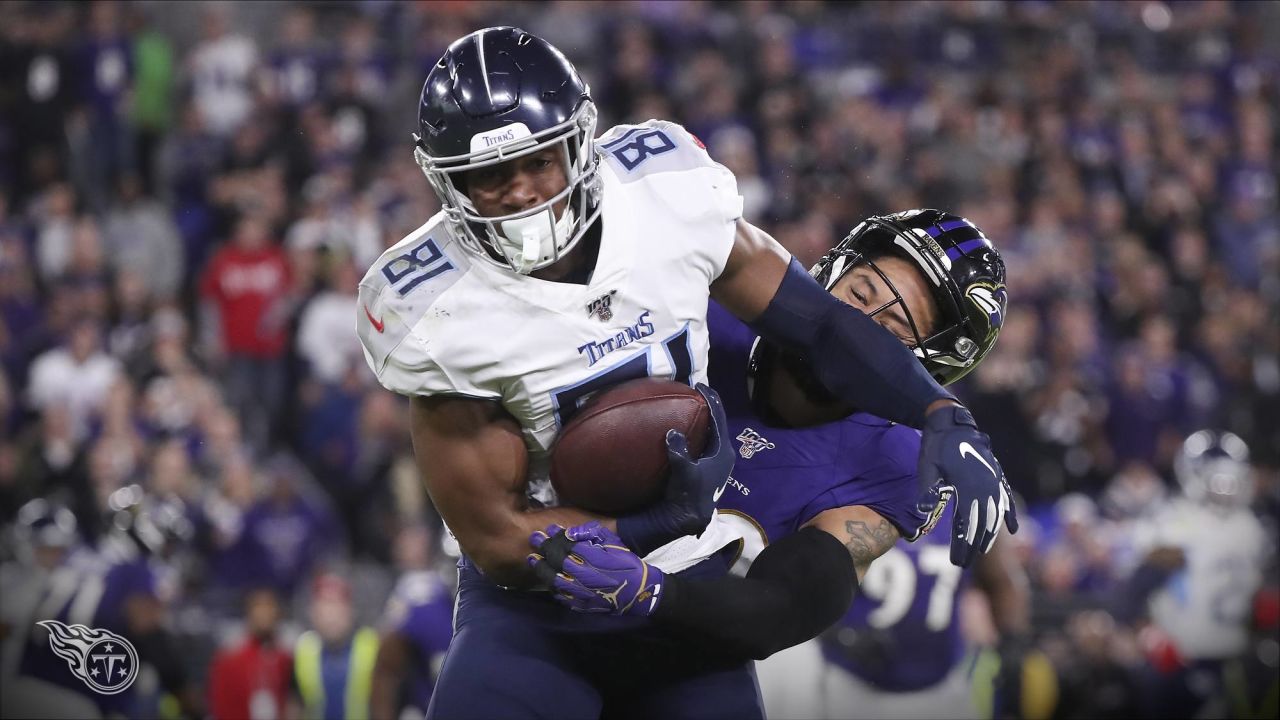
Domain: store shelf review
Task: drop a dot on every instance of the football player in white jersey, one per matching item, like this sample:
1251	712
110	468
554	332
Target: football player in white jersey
561	265
1204	606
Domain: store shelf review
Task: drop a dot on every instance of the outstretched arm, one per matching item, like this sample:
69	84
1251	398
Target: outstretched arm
796	588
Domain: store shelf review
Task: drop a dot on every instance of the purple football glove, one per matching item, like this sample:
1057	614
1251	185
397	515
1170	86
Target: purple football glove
589	569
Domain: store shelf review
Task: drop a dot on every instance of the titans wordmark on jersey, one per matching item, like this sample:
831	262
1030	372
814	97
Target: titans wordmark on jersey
435	319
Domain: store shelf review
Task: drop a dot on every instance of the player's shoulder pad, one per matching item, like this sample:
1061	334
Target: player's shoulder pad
692	184
402	286
654	146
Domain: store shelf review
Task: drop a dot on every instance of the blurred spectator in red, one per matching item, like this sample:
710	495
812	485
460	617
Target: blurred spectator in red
246	287
250	681
333	662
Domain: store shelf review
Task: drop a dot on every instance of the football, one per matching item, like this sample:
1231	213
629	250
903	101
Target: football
611	457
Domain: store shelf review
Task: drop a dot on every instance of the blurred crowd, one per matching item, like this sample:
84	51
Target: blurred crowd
190	193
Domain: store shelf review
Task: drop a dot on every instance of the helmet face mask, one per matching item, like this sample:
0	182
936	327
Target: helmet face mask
962	273
1213	469
961	267
533	100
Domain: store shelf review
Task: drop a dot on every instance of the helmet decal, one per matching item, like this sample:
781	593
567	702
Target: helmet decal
993	299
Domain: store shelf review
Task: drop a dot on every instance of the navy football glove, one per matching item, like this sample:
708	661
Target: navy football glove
589	570
692	487
956	460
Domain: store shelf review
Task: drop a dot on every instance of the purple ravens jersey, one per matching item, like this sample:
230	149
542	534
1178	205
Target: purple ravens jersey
902	631
784	477
421	610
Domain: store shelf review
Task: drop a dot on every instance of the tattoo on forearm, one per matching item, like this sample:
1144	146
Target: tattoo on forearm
868	542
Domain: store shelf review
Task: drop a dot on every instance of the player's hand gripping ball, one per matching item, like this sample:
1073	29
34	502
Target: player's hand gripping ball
589	570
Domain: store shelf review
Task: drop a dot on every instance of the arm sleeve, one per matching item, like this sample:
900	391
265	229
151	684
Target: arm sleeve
860	362
796	588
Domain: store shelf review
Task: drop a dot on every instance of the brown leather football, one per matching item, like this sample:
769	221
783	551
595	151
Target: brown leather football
611	457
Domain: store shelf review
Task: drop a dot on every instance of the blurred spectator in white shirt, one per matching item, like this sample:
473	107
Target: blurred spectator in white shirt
77	376
222	69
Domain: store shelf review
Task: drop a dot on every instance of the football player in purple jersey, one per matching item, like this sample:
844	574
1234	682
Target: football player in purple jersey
821	490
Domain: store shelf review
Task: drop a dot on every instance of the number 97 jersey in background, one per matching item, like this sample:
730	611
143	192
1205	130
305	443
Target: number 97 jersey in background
902	631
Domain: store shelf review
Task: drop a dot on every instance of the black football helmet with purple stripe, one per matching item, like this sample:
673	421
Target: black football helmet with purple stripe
962	267
965	275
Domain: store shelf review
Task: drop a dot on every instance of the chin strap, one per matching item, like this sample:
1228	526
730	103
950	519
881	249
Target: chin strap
532	233
529	253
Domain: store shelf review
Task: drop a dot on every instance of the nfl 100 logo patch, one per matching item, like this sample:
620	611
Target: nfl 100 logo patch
602	307
752	443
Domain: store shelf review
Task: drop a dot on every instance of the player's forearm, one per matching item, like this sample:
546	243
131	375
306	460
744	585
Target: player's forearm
501	552
860	362
796	588
388	672
1001	577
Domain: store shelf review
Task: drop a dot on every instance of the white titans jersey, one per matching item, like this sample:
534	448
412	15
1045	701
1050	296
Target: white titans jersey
436	319
1205	606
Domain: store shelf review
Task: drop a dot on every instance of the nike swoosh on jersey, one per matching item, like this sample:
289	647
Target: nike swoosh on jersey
715	497
967	449
377	324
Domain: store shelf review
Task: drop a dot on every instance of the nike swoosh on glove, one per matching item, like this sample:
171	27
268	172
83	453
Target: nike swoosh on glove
957	463
589	570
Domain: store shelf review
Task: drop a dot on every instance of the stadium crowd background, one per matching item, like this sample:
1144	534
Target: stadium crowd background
189	194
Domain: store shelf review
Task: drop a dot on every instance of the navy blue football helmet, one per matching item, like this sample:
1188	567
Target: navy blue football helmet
499	94
1213	467
965	275
43	525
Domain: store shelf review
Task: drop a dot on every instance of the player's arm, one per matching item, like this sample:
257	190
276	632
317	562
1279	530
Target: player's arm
389	671
1000	576
473	460
795	589
864	533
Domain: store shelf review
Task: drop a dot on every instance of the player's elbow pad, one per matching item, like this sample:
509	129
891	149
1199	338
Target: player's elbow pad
860	362
796	588
819	578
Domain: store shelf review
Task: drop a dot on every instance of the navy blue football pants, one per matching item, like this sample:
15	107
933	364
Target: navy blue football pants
522	655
